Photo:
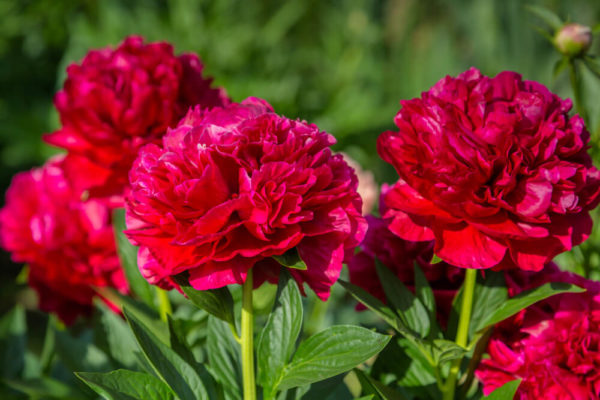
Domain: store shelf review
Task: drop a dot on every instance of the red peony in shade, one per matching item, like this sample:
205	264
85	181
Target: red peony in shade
67	242
233	186
493	169
117	100
553	346
399	256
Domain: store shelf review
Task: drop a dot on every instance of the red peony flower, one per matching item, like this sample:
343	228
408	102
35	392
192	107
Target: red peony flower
493	169
118	100
232	187
399	256
68	243
553	346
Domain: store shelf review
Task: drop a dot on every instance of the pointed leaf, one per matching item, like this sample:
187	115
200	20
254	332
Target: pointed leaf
181	377
277	340
121	342
128	256
547	16
224	357
217	302
560	66
435	259
445	350
291	259
12	343
524	299
424	293
44	387
593	64
331	352
409	308
80	353
126	385
505	392
372	387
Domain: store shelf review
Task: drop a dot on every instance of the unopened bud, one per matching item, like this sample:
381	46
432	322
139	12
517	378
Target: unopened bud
573	39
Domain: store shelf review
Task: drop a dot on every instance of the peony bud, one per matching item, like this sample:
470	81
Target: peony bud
573	39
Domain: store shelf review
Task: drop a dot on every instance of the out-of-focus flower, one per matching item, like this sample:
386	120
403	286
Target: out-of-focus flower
399	256
117	100
234	186
68	243
367	188
553	346
493	169
573	39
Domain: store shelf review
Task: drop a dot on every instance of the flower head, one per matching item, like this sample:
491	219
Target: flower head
68	243
552	346
117	100
493	169
573	39
231	187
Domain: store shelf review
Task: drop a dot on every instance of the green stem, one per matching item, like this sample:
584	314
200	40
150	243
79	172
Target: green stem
248	339
164	305
577	90
462	333
48	346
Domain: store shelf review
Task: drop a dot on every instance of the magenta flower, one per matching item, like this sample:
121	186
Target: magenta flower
117	100
233	186
493	169
67	242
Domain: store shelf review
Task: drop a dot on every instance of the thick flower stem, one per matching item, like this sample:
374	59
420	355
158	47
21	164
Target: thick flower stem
462	333
577	90
164	305
248	339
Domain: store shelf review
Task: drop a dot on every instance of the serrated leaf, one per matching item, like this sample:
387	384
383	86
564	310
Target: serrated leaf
44	387
524	299
217	302
126	385
12	343
375	305
291	259
181	377
224	357
277	340
331	352
408	307
505	392
372	387
547	16
128	257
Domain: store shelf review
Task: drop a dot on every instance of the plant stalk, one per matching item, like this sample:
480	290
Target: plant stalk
577	90
164	304
248	339
462	333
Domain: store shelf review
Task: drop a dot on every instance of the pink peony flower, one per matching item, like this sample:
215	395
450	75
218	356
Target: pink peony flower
68	243
118	100
231	187
493	169
399	255
553	346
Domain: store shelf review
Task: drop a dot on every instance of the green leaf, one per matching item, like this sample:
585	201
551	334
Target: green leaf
224	357
291	259
593	64
445	350
372	387
173	370
375	305
12	343
435	259
408	307
331	352
128	256
44	387
425	294
524	299
80	353
217	302
277	340
147	315
121	342
126	385
547	16
332	388
505	392
560	66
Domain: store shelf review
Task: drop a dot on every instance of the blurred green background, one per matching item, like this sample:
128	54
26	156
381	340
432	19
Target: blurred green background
343	65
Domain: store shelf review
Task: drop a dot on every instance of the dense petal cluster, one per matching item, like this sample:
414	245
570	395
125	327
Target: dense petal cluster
231	187
67	243
399	256
493	169
553	346
117	100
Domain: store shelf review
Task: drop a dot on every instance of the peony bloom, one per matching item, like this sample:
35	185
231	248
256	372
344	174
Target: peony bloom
493	169
553	346
232	187
118	100
68	243
399	256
